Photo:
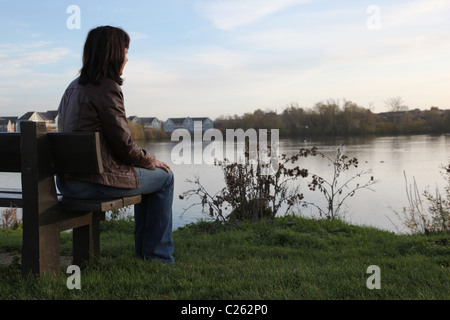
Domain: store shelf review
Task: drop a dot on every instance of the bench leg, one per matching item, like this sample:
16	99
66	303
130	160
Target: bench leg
82	248
96	218
40	254
86	240
50	245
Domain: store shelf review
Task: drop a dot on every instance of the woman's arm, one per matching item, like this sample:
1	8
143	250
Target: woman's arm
118	135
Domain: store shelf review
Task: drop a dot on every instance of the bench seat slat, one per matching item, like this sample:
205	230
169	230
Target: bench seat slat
10	200
11	190
13	197
96	205
70	204
128	201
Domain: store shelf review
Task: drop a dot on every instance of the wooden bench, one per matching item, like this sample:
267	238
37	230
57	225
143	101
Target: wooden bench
38	156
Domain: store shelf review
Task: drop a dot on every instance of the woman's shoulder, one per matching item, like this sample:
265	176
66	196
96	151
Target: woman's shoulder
104	86
109	84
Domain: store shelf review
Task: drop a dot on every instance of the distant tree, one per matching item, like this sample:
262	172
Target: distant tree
435	120
355	119
395	104
137	131
327	116
396	109
295	121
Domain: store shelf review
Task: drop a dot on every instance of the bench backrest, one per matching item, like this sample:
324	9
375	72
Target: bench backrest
77	152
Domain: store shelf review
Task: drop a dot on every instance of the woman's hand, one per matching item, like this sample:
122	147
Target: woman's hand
162	165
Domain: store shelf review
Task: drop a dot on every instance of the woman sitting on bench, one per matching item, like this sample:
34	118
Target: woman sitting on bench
94	103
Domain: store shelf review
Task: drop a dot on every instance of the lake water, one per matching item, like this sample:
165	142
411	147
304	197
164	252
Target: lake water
389	158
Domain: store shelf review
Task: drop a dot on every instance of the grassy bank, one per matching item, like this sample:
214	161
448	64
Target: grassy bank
289	258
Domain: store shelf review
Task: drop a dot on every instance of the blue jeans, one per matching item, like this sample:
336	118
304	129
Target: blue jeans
152	217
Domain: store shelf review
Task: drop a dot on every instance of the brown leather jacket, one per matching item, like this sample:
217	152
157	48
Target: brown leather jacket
101	109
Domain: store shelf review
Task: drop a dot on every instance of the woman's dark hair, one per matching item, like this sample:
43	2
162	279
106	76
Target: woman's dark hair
103	55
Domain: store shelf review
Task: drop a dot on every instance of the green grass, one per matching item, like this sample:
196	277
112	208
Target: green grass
289	258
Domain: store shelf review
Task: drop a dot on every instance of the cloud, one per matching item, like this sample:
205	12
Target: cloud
417	14
298	55
231	14
17	56
137	35
209	59
32	76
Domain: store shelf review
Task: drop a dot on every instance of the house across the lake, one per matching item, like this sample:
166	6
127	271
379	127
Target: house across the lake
8	124
187	123
50	118
147	123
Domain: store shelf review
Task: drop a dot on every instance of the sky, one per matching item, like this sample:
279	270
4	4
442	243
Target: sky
213	58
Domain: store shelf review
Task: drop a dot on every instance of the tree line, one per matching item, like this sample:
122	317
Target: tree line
328	118
331	119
